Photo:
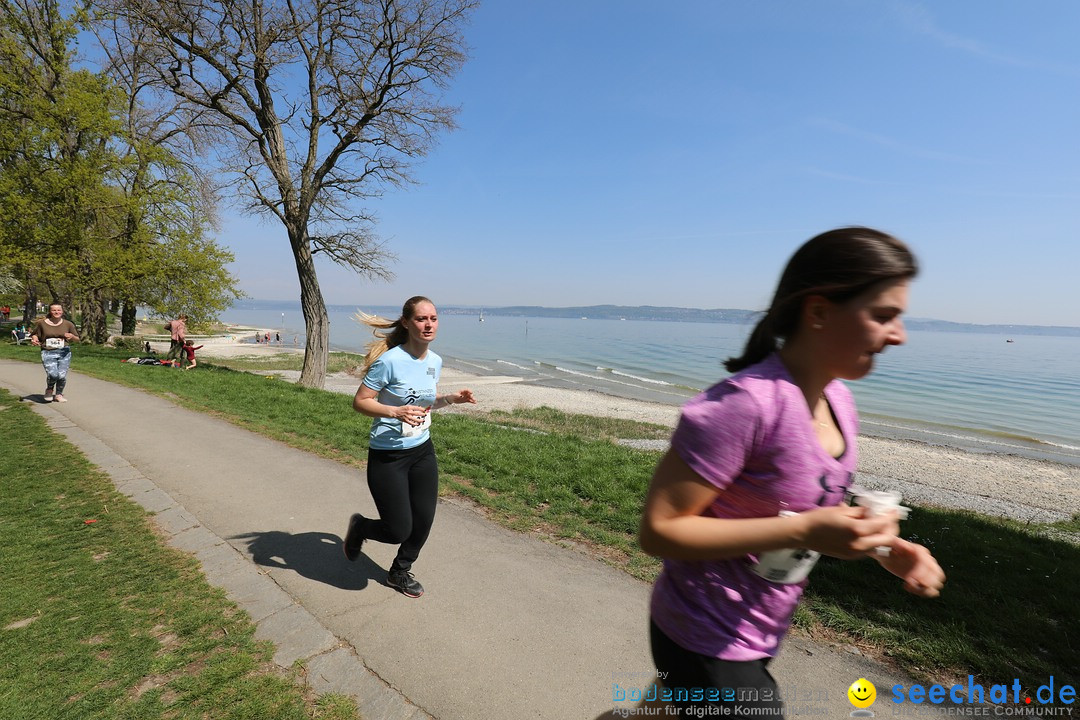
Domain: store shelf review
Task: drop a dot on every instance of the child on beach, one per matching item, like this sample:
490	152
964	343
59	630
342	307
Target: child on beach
753	485
189	350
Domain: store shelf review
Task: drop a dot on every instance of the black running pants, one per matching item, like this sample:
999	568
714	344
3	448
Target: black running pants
745	688
405	487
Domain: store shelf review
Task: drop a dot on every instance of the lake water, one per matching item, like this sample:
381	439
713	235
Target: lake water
969	390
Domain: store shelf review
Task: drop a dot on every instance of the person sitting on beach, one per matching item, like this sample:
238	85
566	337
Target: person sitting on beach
399	390
189	350
752	489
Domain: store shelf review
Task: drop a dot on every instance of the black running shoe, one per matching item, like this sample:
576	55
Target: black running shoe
353	539
404	582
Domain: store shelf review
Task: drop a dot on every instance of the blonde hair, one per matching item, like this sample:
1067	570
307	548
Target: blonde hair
388	333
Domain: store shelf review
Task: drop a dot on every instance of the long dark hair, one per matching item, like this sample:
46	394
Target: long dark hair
838	265
388	333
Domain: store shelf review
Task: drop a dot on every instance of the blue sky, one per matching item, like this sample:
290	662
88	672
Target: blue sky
647	153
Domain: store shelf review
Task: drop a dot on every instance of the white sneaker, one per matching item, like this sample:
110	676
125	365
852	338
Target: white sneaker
59	398
48	395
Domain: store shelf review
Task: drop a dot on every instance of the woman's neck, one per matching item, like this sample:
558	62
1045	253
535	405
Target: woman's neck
807	374
417	349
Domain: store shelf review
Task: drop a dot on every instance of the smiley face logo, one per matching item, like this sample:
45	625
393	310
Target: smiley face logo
862	693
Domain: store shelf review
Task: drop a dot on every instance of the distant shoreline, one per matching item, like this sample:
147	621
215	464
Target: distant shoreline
650	313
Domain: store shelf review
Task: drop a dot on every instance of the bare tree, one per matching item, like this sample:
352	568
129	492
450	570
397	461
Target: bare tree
325	104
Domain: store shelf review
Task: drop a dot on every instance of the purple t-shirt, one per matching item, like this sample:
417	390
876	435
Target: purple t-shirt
752	437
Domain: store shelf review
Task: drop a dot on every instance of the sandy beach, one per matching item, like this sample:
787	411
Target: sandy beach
988	483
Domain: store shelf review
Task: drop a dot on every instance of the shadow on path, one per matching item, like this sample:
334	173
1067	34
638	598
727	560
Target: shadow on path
314	555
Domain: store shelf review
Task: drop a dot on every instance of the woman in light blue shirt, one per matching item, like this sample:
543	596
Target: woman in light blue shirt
399	391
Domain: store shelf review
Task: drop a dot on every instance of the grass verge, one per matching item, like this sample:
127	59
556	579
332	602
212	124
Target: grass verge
1006	612
99	619
338	362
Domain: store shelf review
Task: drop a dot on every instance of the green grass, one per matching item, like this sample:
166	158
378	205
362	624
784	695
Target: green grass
338	362
102	620
1006	611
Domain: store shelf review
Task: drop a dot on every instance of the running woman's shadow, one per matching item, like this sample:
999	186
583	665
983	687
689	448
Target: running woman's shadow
315	555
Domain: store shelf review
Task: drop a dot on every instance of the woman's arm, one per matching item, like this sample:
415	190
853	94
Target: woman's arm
366	402
914	564
672	525
464	395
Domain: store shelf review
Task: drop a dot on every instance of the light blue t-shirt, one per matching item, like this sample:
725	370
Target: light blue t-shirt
401	379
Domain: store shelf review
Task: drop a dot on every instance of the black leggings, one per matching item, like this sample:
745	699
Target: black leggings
405	487
741	686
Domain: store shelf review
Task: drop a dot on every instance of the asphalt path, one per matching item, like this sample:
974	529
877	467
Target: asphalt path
510	625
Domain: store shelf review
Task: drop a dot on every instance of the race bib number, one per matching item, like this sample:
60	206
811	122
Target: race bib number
54	343
786	567
408	430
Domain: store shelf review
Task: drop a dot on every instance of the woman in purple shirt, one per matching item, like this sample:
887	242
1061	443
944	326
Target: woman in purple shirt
751	491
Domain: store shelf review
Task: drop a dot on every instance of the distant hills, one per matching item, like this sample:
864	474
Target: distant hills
673	314
735	317
946	326
618	312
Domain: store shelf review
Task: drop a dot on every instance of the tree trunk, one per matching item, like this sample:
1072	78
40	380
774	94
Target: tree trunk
30	304
316	320
127	317
94	328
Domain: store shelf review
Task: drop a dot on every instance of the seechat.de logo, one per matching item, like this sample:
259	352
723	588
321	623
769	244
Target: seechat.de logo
1052	693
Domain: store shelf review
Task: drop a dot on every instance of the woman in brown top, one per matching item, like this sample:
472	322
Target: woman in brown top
52	334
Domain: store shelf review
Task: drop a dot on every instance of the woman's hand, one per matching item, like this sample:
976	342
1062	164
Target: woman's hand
847	532
914	564
465	395
410	414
